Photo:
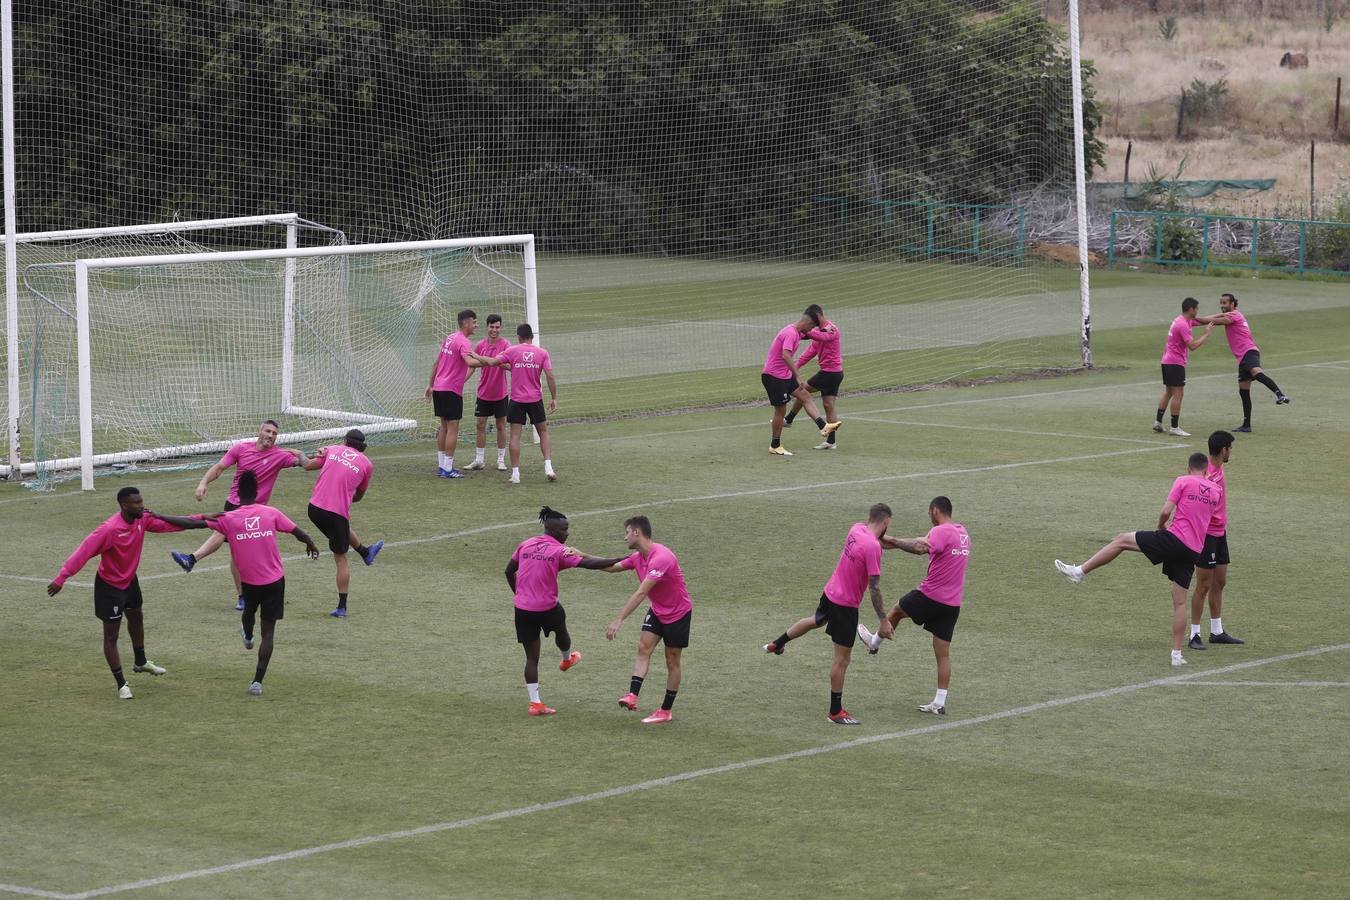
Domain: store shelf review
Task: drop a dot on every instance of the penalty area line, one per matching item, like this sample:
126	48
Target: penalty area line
665	781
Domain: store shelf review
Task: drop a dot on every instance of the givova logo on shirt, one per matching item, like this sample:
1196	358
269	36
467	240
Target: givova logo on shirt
964	549
345	459
252	531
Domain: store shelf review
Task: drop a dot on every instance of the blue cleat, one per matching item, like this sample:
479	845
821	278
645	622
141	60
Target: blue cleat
339	613
248	638
374	550
443	473
186	560
451	473
239	605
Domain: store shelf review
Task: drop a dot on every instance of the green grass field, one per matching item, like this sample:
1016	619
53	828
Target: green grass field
391	755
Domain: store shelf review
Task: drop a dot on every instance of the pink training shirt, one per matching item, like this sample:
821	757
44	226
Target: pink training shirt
345	471
669	596
948	555
452	366
1218	523
860	560
788	339
528	365
1177	349
1196	501
539	559
266	465
491	379
1239	335
117	543
825	344
251	532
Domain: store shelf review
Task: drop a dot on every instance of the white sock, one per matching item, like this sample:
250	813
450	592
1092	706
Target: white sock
449	462
940	698
501	454
1176	654
566	653
1215	626
515	472
548	466
478	454
1195	631
534	692
440	459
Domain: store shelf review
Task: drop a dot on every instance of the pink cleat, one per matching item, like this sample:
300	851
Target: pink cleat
539	709
629	700
656	718
572	659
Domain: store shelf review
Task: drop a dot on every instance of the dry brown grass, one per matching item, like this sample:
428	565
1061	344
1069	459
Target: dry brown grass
1271	113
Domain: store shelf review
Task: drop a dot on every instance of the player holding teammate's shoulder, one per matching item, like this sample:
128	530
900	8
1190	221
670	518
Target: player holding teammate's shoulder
1247	354
825	350
782	381
935	604
117	542
1211	576
1176	353
528	364
491	398
344	477
445	390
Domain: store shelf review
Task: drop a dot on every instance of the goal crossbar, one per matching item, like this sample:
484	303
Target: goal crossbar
88	459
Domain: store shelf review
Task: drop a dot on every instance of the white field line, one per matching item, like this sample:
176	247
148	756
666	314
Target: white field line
1327	366
667	780
998	430
1270	683
703	498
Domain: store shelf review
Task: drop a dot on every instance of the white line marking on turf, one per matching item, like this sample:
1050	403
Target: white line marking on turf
1059	434
664	781
1327	366
1271	683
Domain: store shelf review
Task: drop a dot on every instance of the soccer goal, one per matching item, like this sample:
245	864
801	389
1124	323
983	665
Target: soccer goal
40	317
179	355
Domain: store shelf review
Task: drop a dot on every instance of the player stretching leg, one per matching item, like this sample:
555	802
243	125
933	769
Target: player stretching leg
491	398
826	382
1176	352
1212	568
858	569
782	381
1247	354
344	477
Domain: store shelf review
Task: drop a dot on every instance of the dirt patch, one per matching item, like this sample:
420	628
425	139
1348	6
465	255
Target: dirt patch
1066	254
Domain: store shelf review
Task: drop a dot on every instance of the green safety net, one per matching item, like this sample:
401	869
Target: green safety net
1132	190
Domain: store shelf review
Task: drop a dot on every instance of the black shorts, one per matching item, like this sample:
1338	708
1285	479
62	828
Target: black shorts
1173	375
490	409
938	619
1250	360
448	405
529	623
269	598
1178	560
517	412
675	634
109	601
779	390
231	507
827	383
334	527
841	622
1215	553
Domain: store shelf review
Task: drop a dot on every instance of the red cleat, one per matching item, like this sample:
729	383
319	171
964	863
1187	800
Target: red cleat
656	718
843	718
572	659
628	701
539	709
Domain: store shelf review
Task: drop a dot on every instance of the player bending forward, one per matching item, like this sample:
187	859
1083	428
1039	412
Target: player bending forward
782	381
935	604
825	349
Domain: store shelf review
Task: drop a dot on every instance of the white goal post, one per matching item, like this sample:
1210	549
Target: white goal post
343	419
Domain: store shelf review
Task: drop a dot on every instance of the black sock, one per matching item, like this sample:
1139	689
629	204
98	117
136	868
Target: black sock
820	421
117	673
1246	395
635	686
775	442
360	549
787	419
781	640
1175	420
193	557
667	703
1268	382
140	655
836	703
342	601
258	674
830	439
1160	415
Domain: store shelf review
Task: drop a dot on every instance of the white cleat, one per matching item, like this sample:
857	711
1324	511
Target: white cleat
1073	573
933	708
124	692
150	667
515	479
501	466
476	465
255	688
1177	660
551	476
1158	427
870	640
248	638
825	445
1177	432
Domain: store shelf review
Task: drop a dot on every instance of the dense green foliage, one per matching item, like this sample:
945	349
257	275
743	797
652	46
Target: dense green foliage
634	125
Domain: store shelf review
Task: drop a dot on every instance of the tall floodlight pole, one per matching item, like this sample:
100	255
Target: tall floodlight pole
1080	184
11	236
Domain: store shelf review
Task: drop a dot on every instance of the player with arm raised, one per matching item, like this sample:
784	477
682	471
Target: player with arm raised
825	349
117	542
1176	352
858	570
344	476
782	381
265	460
491	400
1247	354
251	530
935	604
445	389
528	364
532	575
1190	505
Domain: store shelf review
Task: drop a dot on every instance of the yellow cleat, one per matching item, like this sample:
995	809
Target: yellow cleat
830	428
780	451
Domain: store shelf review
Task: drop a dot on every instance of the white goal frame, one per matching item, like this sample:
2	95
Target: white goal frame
369	423
292	222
